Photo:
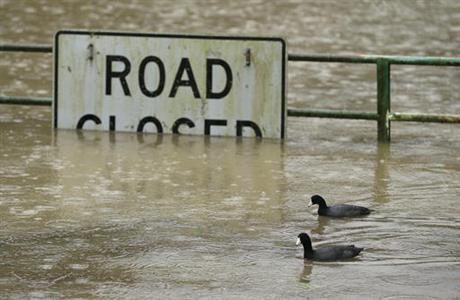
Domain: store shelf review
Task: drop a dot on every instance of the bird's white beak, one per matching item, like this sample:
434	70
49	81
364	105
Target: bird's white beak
297	242
310	204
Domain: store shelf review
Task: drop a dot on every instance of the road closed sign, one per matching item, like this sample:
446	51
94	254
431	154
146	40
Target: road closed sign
182	84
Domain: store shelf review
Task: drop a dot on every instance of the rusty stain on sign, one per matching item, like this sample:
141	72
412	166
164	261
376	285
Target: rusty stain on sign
227	86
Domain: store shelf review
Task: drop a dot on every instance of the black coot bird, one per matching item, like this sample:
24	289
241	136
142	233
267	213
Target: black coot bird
330	253
339	210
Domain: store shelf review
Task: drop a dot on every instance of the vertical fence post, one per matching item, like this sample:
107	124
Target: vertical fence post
383	100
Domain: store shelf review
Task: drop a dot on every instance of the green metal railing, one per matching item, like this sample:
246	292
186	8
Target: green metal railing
383	116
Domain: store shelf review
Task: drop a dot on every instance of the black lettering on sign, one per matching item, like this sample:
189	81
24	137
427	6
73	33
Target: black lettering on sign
191	82
161	78
212	122
150	119
88	117
244	123
210	62
112	123
109	73
180	121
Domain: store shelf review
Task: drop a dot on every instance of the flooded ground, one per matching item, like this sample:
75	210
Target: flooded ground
86	215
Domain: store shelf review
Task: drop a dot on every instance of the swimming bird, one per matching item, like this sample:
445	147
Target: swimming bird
330	253
338	210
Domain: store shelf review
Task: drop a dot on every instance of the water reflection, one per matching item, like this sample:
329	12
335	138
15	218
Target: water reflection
305	276
157	138
126	168
322	225
381	174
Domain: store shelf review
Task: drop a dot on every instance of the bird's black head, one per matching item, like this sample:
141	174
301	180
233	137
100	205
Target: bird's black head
317	199
303	239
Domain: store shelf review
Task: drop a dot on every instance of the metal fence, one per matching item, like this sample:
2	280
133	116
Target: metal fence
383	115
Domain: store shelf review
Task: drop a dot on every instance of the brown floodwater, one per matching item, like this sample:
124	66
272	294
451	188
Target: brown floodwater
127	216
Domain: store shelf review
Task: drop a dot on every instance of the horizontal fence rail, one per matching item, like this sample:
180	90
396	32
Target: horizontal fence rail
332	114
26	48
39	101
373	59
433	118
383	116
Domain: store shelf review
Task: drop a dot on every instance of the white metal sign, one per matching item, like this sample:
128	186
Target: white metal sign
231	86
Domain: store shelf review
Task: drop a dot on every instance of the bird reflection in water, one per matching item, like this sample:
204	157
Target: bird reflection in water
306	272
323	222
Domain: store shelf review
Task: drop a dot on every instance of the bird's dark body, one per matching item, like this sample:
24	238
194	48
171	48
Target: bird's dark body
338	210
343	210
333	253
329	253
